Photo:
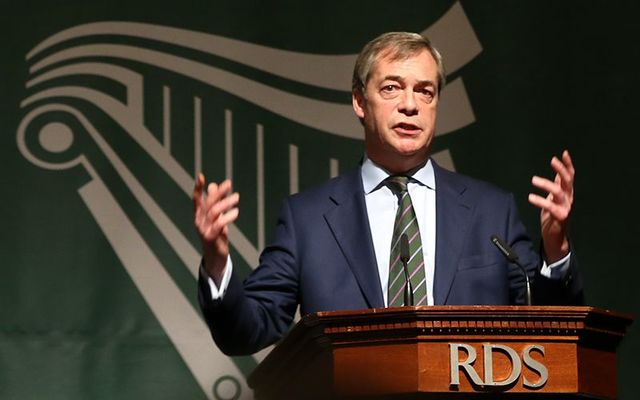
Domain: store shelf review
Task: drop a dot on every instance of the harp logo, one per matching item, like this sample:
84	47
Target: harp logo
142	108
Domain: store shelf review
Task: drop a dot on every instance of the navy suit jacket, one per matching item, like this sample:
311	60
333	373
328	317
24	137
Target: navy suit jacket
322	258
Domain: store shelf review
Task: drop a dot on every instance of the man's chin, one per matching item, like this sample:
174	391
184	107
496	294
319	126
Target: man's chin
412	151
412	157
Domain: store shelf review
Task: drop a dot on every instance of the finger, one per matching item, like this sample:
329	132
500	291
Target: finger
223	206
558	212
207	202
565	175
549	187
229	217
568	162
198	199
217	192
213	211
212	192
199	184
225	186
198	193
220	191
220	225
540	202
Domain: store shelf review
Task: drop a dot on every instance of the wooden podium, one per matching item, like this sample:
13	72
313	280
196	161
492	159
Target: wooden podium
444	352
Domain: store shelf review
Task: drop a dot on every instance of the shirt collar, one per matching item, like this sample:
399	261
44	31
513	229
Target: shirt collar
373	175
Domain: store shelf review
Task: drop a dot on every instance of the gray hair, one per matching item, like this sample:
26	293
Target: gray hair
396	46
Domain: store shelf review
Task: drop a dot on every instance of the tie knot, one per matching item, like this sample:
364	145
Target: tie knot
397	183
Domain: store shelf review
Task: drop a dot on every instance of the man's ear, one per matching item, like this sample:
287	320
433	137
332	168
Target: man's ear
357	100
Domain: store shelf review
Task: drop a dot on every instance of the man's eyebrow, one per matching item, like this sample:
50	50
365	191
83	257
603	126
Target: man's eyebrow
426	82
398	78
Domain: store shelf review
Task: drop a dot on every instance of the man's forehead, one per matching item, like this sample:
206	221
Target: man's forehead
393	61
391	54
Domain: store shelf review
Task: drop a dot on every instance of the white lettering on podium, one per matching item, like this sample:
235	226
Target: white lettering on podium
515	360
467	364
516	365
534	366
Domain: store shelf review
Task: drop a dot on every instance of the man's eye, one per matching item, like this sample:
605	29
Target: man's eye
389	88
428	94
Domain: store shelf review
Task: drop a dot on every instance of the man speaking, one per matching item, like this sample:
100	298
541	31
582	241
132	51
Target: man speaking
357	240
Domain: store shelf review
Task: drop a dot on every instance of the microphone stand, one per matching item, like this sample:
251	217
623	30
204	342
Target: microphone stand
513	258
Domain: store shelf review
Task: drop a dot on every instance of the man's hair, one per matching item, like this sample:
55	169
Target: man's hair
394	46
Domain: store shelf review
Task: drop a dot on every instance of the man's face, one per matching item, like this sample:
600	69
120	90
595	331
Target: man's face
399	111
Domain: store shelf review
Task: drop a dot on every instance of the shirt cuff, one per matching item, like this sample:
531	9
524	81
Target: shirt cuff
218	292
558	270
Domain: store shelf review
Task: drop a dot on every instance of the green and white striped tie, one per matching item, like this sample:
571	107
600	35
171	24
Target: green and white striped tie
406	223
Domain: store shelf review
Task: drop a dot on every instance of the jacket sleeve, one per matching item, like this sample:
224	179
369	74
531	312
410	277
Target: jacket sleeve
259	311
545	291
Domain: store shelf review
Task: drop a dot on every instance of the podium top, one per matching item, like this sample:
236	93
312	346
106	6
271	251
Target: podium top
474	312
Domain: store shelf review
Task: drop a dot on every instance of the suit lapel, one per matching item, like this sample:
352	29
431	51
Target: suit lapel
349	223
453	211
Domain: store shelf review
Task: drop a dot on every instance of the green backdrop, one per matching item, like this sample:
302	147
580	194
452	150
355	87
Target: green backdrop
104	125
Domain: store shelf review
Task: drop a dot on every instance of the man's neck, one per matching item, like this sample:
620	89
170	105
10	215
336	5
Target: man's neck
401	167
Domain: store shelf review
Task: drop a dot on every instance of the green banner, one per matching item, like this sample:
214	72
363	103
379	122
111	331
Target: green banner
109	110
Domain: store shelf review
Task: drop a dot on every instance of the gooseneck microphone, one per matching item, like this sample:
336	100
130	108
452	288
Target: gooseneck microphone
513	258
405	255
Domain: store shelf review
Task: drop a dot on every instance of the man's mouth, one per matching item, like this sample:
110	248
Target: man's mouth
406	128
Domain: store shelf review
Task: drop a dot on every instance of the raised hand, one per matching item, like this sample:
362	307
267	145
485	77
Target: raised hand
213	212
555	208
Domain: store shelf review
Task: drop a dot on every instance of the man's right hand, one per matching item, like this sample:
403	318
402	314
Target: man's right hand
213	212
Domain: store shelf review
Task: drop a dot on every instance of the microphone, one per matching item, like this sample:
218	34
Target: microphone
405	254
513	258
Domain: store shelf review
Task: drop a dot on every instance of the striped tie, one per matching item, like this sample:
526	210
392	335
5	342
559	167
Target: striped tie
406	223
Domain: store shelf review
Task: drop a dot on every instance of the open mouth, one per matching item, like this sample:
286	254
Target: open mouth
406	128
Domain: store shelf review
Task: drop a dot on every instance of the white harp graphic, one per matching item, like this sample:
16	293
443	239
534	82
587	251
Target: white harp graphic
89	50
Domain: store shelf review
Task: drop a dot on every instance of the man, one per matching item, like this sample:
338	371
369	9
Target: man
338	246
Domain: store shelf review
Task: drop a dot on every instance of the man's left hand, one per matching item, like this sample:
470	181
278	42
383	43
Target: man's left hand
555	208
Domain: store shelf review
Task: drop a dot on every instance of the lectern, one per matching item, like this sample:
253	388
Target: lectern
446	352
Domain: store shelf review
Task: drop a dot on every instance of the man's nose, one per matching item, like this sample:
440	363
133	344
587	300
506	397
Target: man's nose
408	103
